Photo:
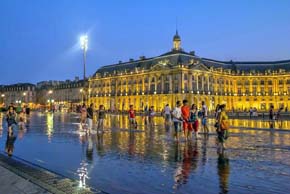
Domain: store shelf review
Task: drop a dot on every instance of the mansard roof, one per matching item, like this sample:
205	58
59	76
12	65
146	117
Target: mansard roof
178	57
173	58
248	66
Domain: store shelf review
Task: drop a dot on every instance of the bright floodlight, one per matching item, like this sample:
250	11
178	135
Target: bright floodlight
84	42
50	91
3	95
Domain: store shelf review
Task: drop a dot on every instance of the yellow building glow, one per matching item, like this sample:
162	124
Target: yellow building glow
178	75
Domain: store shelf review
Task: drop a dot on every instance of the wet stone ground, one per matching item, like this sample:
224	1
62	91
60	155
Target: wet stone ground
147	160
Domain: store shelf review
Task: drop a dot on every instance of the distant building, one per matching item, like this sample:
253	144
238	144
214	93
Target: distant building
178	75
21	93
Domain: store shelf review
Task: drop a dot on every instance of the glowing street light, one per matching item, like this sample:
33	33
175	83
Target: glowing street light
84	47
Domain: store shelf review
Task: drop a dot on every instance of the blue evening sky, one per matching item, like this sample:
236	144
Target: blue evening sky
39	39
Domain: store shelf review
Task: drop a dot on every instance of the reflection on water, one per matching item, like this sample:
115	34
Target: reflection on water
147	160
49	123
9	145
223	168
83	174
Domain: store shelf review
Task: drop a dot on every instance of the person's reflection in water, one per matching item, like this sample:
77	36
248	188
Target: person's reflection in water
9	146
204	149
178	171
90	148
189	162
100	144
131	146
223	167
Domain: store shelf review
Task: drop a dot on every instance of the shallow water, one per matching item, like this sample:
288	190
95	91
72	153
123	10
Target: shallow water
147	160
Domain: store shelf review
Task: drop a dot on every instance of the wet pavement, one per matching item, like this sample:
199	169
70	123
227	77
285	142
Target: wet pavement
147	160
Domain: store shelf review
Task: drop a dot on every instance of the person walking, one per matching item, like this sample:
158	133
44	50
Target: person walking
167	113
177	119
90	117
187	127
83	115
223	127
101	117
204	114
11	119
132	117
194	119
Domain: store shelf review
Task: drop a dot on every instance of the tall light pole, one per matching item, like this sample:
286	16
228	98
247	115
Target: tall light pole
50	100
84	47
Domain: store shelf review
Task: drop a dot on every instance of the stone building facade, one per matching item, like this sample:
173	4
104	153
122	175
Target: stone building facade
178	75
21	93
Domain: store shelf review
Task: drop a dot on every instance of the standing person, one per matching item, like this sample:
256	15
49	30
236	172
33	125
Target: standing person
187	128
167	112
278	114
27	110
251	112
132	117
271	113
21	122
223	127
90	117
83	115
204	114
194	120
101	117
151	116
11	119
177	119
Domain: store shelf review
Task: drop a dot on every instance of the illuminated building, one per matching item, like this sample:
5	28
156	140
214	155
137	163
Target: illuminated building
178	75
21	93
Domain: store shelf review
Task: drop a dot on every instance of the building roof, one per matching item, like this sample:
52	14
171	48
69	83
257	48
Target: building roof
177	57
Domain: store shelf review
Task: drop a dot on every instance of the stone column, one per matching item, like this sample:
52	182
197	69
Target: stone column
190	82
162	84
197	77
170	84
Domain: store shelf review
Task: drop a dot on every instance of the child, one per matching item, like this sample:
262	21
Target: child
151	115
11	119
131	116
21	123
101	117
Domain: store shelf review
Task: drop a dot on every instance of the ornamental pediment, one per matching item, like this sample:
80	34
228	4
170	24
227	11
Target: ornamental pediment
199	66
161	65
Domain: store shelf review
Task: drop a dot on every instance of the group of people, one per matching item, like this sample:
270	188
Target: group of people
187	118
87	116
14	117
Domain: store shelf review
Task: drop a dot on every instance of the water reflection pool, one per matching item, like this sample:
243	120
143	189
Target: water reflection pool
146	160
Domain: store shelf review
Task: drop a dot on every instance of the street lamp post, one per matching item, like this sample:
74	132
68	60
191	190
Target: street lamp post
49	100
24	97
84	47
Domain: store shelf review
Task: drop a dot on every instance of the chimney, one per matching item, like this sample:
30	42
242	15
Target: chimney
142	57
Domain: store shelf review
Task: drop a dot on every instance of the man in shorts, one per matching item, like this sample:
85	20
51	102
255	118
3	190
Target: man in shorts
177	119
